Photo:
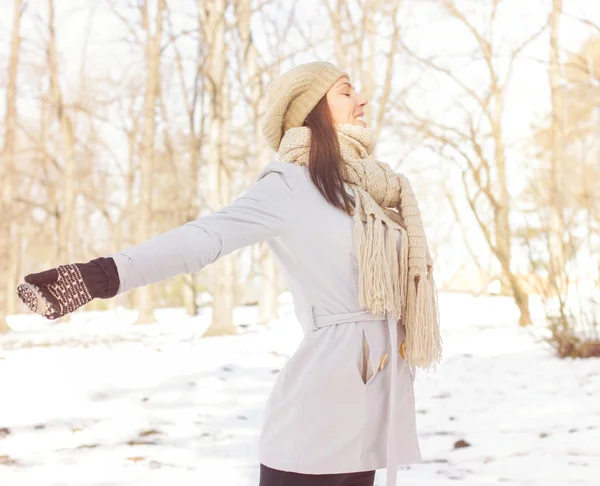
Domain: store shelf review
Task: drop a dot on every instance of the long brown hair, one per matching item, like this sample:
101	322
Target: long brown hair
325	159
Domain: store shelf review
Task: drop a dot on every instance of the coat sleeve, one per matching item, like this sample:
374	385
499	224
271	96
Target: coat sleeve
261	212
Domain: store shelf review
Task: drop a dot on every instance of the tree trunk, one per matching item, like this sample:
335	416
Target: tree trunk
502	228
212	15
153	52
268	303
557	253
193	99
67	214
10	237
190	294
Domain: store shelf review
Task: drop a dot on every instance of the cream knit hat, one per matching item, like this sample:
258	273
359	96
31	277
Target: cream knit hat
293	95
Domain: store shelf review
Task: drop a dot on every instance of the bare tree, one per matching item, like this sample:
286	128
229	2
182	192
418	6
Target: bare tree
556	204
66	223
152	54
269	289
562	229
477	146
213	24
10	237
193	99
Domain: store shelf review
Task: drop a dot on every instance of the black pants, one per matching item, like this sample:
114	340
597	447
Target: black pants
274	477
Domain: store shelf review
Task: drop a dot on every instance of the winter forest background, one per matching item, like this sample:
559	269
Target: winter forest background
122	119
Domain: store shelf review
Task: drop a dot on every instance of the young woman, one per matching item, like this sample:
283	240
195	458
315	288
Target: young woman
346	232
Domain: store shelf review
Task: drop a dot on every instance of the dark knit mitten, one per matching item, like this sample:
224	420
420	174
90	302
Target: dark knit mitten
59	291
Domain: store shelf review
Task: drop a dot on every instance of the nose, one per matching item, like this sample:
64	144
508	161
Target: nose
363	102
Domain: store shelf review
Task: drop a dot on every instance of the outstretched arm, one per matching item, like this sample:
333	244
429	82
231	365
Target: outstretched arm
262	212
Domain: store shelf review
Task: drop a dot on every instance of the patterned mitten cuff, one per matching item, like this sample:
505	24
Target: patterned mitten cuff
100	277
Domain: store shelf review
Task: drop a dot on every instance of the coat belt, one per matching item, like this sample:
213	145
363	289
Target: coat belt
366	316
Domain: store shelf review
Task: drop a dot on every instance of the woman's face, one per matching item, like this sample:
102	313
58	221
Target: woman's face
346	105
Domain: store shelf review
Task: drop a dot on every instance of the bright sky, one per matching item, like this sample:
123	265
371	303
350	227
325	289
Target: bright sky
91	26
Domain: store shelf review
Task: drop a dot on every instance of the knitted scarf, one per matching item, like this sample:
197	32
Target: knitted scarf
393	282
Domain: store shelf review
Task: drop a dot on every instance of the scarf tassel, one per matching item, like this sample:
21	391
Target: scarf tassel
423	337
381	286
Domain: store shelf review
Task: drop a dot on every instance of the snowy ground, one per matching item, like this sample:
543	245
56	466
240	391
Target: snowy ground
100	402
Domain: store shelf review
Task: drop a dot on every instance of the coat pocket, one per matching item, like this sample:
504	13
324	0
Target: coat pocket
365	361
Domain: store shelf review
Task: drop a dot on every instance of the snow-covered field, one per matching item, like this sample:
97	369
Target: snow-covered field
100	402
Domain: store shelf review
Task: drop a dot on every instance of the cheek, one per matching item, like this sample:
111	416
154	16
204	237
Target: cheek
341	109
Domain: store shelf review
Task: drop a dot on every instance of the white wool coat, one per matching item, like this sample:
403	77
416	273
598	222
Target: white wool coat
321	417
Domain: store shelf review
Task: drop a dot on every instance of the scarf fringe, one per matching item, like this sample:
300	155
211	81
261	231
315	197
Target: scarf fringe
423	337
381	288
403	271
